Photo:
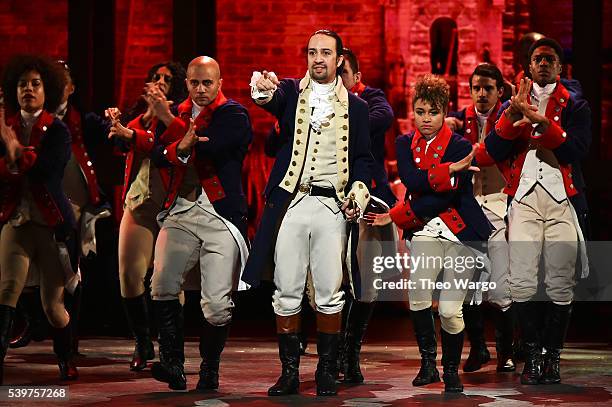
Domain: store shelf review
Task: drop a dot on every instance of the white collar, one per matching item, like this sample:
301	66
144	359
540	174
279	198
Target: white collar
547	90
484	116
30	118
61	110
196	109
323	89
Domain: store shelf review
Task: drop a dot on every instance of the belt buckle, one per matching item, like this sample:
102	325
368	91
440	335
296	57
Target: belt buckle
305	188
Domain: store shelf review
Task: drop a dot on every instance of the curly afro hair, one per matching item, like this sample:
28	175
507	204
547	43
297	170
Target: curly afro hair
177	92
178	89
51	75
432	89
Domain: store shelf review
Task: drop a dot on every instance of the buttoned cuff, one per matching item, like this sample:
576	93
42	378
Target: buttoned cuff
552	138
404	217
439	178
505	128
144	140
360	194
171	154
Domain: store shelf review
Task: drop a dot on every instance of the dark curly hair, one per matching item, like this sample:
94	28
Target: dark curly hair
177	92
432	89
51	75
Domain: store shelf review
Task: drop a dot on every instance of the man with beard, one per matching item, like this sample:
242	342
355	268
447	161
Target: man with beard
316	186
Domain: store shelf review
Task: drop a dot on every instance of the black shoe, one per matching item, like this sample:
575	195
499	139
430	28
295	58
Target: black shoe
212	342
325	375
357	323
551	370
556	323
528	315
479	355
532	370
7	315
171	372
136	311
289	354
169	369
64	349
425	334
452	345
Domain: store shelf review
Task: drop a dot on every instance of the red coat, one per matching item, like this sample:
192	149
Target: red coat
554	137
145	140
73	121
42	163
205	168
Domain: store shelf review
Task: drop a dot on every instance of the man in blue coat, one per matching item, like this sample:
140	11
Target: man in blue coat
319	182
361	303
540	137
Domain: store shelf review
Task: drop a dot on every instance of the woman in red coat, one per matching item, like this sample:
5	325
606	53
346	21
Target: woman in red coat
144	193
39	225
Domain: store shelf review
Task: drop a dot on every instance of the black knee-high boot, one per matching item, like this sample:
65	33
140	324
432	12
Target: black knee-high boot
212	342
425	333
328	329
357	323
504	336
170	368
7	315
137	313
73	306
36	327
288	329
474	327
64	349
452	345
528	316
557	321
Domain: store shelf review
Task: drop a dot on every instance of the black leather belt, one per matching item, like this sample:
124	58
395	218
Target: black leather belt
322	191
314	190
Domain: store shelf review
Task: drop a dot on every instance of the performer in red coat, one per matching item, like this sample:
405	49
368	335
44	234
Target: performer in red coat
541	135
474	123
146	183
444	221
39	225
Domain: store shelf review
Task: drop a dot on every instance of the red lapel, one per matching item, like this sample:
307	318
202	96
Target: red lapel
436	149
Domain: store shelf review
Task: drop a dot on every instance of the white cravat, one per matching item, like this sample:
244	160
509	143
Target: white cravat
195	110
534	169
61	110
321	98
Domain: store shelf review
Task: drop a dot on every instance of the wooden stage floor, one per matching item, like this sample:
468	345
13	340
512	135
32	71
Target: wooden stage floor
249	367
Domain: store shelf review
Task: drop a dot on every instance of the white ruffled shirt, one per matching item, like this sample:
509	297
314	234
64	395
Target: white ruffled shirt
321	99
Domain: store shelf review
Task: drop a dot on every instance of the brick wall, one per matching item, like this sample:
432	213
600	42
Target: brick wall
273	35
26	27
143	37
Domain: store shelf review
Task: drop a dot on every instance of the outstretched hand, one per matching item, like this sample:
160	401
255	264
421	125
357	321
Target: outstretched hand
465	163
377	219
267	81
190	139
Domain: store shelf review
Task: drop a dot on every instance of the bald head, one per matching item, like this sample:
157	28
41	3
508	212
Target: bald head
203	80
